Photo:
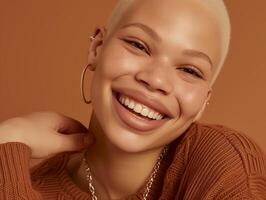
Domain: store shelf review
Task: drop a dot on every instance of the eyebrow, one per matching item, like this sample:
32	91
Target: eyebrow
199	54
150	31
145	28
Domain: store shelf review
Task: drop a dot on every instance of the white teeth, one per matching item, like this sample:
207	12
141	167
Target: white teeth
159	117
131	105
139	108
150	115
155	115
127	101
123	100
145	112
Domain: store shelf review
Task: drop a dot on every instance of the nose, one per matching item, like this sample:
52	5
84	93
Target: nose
155	78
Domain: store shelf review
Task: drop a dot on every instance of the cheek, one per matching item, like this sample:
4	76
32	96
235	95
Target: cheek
191	98
117	63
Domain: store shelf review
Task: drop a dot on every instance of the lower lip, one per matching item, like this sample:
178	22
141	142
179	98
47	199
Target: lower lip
133	120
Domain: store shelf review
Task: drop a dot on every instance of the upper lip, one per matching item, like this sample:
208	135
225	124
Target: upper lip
147	100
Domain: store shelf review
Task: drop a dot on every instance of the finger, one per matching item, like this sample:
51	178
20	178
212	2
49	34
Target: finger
71	142
70	125
45	118
57	122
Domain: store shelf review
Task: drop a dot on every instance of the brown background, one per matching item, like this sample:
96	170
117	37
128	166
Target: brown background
43	49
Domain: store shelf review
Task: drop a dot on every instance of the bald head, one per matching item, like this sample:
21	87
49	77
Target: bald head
216	8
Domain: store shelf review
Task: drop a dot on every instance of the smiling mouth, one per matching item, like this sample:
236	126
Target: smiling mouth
135	115
139	109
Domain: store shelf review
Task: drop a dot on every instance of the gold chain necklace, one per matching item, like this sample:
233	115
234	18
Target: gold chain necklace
148	184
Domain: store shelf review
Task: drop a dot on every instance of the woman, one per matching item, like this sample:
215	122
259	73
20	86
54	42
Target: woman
153	68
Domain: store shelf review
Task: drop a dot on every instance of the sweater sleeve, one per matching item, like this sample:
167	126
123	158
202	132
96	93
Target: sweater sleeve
15	180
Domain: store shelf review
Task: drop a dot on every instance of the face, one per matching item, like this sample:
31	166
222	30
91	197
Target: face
159	61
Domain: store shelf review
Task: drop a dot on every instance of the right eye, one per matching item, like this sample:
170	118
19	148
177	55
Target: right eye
137	45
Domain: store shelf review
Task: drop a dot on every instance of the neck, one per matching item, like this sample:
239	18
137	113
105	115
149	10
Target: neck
116	173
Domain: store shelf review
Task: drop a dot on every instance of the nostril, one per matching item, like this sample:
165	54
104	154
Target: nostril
162	91
144	83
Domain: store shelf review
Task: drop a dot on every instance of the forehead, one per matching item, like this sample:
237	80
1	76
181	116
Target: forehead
184	23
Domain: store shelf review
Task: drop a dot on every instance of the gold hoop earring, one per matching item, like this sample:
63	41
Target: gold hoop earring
82	84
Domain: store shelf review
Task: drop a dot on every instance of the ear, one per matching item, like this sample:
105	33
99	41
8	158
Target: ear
97	40
206	102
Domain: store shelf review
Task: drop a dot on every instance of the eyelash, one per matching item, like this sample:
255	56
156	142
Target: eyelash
138	46
191	71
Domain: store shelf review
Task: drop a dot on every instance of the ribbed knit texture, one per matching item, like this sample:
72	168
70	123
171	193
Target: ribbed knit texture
206	162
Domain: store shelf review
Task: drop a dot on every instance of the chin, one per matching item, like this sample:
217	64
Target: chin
124	139
131	141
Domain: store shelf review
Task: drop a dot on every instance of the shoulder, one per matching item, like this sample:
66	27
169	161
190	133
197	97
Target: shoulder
221	142
219	138
220	160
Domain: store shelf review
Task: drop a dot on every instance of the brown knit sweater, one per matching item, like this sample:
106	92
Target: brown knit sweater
206	162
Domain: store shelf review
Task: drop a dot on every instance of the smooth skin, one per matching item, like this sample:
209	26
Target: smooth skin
170	50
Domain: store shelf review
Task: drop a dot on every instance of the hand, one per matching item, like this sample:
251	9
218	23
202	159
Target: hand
46	133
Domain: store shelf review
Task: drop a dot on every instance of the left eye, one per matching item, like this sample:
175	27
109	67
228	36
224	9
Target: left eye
137	45
191	71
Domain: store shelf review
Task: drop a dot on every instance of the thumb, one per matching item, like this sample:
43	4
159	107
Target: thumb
75	142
